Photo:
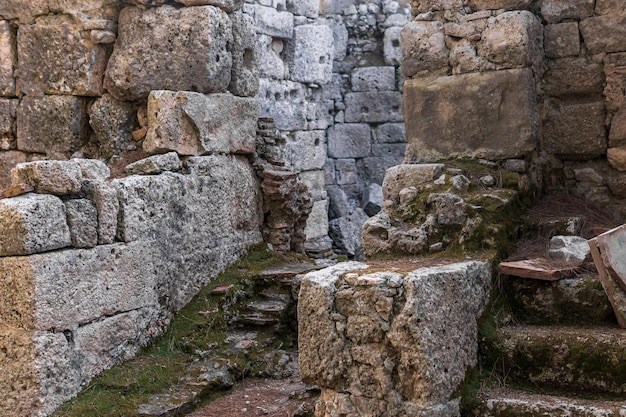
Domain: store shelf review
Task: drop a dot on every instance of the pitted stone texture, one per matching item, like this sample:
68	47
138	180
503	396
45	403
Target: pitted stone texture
196	124
604	34
403	176
308	8
24	10
487	115
244	79
317	222
8	61
49	177
561	40
554	11
376	352
573	77
166	48
8	161
82	219
8	113
307	150
32	223
349	140
92	169
113	122
226	5
373	107
499	4
576	131
310	54
155	164
615	81
104	197
391	46
51	124
271	22
271	64
424	49
391	133
285	102
56	59
373	79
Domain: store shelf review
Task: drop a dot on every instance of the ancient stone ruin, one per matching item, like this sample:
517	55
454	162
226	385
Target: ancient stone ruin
145	145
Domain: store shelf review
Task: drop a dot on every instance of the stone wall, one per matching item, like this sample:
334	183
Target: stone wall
539	80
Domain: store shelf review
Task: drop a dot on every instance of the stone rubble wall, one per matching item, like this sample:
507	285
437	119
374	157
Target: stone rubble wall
94	262
539	80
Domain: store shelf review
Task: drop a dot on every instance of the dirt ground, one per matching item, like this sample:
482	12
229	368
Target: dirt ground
264	397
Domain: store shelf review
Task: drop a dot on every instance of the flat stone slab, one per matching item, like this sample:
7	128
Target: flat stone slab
538	268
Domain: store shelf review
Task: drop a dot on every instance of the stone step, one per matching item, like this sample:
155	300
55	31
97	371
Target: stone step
506	402
580	300
568	359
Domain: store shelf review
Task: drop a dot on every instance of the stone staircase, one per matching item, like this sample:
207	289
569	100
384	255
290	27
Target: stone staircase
561	352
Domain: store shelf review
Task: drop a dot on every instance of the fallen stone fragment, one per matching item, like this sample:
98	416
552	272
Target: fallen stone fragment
155	164
49	177
32	223
16	190
537	268
574	249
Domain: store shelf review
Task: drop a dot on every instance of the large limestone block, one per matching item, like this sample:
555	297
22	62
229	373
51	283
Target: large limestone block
404	176
573	77
113	122
8	61
32	223
576	130
373	79
307	150
285	102
166	48
604	33
554	11
390	344
56	59
561	40
51	124
488	115
310	54
373	107
424	49
226	5
104	197
271	64
196	124
82	219
349	140
8	161
391	46
317	222
270	21
244	80
49	177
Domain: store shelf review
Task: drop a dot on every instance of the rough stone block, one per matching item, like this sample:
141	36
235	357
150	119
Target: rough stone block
403	176
285	102
604	33
8	59
314	181
554	11
8	113
372	169
244	79
113	122
617	158
424	49
617	133
338	204
56	59
615	81
346	232
329	171
32	223
50	124
308	8
196	124
373	79
317	223
92	169
390	133
374	107
573	77
166	48
340	38
227	5
49	177
346	171
488	115
373	199
23	10
391	150
391	46
270	21
307	151
614	7
82	219
576	131
104	197
499	4
271	64
513	40
349	318
8	161
561	40
349	140
310	54
154	164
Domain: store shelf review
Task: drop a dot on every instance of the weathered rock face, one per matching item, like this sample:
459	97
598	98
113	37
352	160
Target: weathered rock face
195	124
388	343
497	109
143	60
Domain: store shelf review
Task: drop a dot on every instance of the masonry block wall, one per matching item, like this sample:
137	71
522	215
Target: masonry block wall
541	81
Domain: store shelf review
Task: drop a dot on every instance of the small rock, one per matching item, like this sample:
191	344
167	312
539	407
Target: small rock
155	164
487	181
49	177
460	182
573	249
